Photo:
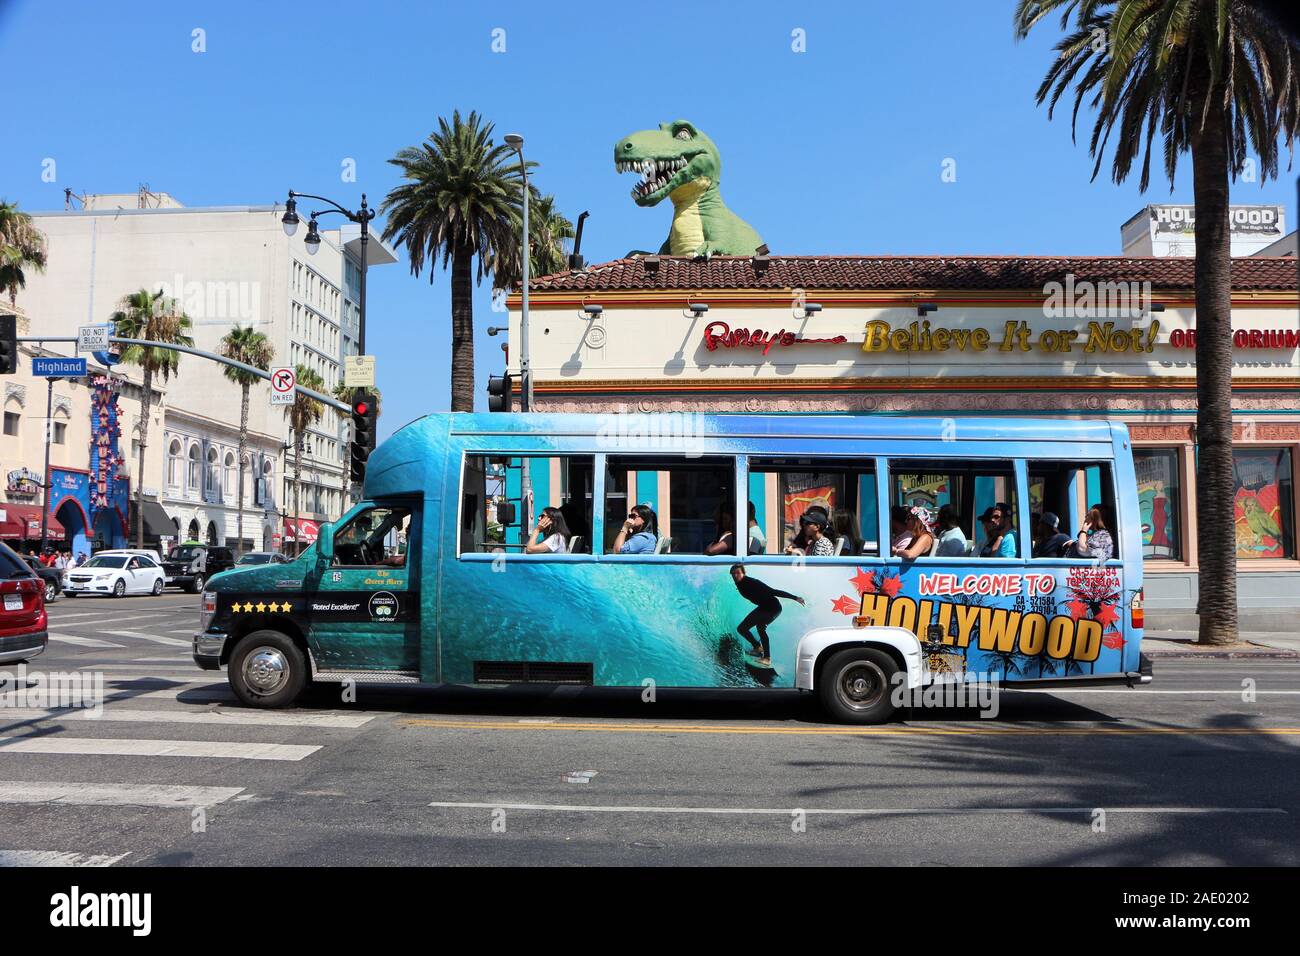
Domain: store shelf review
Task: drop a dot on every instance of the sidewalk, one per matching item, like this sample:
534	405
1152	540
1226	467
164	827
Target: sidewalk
1257	645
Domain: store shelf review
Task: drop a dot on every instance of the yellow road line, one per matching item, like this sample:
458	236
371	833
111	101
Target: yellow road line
648	728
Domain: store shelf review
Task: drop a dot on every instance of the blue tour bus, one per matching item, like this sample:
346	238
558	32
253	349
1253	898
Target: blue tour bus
640	573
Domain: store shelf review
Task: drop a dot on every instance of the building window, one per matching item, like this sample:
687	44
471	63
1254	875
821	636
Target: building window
11	423
60	433
229	483
1160	502
1263	499
192	477
175	464
213	474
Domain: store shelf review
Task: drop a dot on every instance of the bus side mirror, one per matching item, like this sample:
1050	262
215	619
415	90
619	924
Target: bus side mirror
325	542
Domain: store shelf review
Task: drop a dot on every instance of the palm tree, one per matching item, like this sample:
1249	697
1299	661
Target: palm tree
302	414
1219	80
22	246
244	344
548	229
461	202
345	394
157	318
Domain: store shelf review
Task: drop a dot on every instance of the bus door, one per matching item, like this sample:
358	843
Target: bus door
364	613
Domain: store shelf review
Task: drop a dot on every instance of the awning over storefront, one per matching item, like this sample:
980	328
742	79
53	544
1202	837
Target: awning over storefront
301	531
24	523
156	522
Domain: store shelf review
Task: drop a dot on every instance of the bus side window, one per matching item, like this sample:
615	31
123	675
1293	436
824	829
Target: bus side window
1067	492
956	494
681	505
782	490
532	505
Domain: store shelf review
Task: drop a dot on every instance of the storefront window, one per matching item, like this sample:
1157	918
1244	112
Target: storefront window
1160	497
1262	502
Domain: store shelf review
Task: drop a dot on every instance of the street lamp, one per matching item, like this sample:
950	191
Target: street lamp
516	142
362	217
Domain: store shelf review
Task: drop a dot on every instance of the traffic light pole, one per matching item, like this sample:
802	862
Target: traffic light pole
45	476
324	399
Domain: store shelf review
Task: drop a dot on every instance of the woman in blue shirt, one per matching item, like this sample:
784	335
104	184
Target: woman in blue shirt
638	534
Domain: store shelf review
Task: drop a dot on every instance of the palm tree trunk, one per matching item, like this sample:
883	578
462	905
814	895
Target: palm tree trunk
239	495
462	332
1215	524
144	443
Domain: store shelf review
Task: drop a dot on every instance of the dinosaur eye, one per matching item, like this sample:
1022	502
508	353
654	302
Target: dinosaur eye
683	133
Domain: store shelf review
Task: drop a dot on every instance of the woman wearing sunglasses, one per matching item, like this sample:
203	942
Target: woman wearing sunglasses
638	534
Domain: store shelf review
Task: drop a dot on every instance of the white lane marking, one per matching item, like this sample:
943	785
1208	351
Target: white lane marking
58	858
156	638
82	641
108	618
868	811
1134	690
129	747
178	659
115	794
244	718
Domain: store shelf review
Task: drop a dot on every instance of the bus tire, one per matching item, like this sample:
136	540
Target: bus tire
267	669
856	684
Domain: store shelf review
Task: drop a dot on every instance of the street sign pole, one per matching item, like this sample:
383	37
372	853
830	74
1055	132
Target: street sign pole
49	428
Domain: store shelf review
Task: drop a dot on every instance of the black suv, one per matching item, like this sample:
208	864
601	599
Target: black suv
189	565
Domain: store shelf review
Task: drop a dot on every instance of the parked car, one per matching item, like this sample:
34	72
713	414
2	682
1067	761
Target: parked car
263	557
23	624
116	574
53	577
191	564
147	552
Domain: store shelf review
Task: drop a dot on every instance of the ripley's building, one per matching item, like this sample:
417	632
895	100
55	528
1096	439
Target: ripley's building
1064	337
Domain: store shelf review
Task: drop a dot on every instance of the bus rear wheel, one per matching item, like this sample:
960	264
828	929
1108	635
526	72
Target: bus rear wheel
267	669
856	685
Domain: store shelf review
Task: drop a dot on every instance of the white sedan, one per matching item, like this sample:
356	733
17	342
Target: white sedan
115	574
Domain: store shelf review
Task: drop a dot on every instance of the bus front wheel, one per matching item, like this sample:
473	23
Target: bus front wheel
267	669
856	685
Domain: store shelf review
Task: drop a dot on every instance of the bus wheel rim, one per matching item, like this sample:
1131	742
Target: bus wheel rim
861	684
266	670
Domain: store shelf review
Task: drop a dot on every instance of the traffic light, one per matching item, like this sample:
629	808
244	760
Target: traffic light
8	344
364	414
499	393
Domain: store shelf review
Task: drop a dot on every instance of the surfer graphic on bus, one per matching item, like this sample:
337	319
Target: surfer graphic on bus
767	608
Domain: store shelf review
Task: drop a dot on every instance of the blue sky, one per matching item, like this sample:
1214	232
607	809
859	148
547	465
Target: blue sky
835	150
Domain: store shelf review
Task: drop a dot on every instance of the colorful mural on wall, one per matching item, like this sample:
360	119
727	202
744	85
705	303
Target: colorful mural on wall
1260	502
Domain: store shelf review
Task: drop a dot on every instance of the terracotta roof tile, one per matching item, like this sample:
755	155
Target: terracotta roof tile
908	272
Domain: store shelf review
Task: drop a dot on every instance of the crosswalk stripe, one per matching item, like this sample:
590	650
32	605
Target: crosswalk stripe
131	747
156	638
82	641
115	794
230	718
58	858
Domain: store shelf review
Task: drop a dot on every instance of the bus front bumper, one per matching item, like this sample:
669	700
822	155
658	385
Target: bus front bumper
208	648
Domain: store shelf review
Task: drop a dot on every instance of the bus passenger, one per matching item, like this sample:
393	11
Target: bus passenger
726	540
551	536
757	540
921	527
767	609
1094	540
816	543
1050	541
844	524
1001	537
639	533
899	536
951	540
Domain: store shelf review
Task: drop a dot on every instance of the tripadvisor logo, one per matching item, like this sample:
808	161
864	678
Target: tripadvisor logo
383	606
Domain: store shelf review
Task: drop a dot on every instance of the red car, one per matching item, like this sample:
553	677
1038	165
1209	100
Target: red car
23	624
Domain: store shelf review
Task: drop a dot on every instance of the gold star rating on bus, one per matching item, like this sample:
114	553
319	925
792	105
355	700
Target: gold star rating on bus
261	607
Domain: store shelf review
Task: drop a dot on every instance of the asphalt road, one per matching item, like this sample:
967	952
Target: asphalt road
1183	772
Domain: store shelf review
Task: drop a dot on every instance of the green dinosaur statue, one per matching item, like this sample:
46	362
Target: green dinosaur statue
678	161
